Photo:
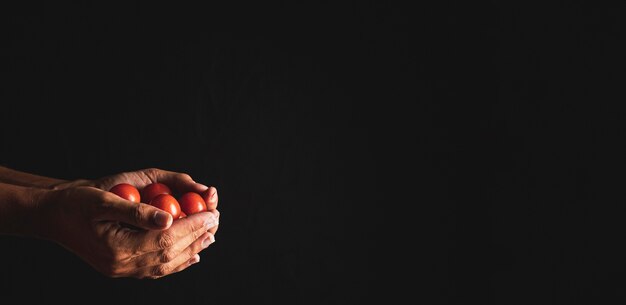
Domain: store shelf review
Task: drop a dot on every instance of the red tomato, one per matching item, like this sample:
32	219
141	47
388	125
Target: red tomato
154	189
126	191
167	203
192	203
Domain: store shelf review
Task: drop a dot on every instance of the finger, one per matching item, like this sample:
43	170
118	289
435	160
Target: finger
184	257
137	214
195	259
181	182
181	230
166	255
213	230
211	198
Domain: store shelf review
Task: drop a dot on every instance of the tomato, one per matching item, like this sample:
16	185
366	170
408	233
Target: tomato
154	189
167	203
126	191
192	203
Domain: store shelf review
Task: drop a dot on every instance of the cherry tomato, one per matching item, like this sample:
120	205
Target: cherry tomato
154	189
192	203
126	191
167	203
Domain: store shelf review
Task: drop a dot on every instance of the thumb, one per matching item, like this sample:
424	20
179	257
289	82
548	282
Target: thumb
139	215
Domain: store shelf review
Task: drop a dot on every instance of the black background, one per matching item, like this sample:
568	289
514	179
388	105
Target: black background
449	154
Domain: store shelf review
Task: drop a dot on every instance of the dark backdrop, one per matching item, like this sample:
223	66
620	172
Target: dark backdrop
271	103
450	154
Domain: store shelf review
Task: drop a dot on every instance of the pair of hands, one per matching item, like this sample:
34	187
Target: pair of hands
91	222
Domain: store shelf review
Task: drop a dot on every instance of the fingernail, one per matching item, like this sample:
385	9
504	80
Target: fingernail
204	187
207	241
214	193
194	259
161	218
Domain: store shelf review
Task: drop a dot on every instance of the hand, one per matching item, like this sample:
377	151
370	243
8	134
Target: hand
88	221
179	182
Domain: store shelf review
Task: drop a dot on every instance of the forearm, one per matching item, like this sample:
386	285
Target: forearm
11	176
19	209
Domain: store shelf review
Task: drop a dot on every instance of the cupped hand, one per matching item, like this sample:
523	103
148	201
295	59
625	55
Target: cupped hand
93	223
179	182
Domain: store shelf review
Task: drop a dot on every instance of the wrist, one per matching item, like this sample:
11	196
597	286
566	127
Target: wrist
41	211
11	176
19	209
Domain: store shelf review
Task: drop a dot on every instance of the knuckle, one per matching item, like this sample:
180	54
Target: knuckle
167	256
141	263
195	229
165	240
137	212
160	270
195	248
183	176
195	234
152	173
